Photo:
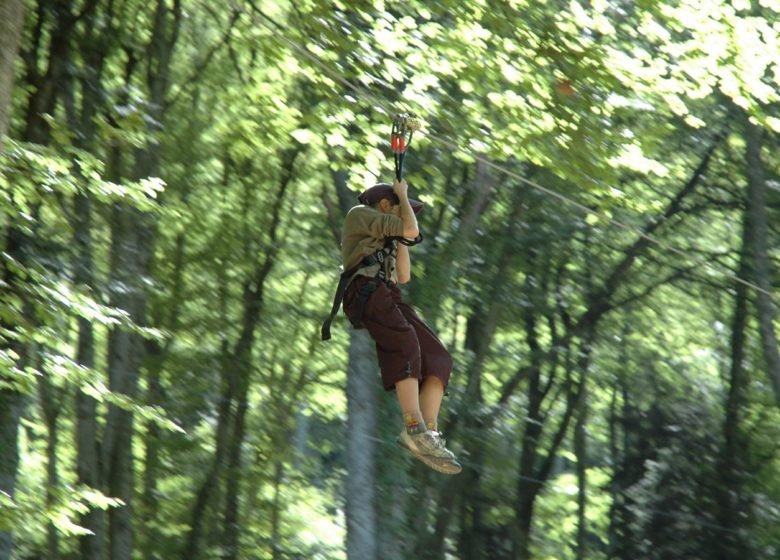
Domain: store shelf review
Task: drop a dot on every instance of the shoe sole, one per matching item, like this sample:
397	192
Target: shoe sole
431	461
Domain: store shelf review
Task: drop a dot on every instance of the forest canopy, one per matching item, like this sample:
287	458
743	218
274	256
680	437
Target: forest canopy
600	181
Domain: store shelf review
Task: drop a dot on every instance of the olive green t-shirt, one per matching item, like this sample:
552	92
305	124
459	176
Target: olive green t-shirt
365	230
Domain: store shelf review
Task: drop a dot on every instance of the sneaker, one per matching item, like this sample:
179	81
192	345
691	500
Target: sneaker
429	447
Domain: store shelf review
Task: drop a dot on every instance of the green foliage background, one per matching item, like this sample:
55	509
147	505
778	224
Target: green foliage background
586	173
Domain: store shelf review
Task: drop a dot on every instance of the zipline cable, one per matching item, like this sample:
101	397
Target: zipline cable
279	32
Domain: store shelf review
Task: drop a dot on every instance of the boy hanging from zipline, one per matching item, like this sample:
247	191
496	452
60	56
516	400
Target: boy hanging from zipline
413	362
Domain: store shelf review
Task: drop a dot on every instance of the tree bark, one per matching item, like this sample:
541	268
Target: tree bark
535	469
130	252
361	432
11	21
444	269
276	512
10	412
87	443
581	452
760	261
50	408
734	445
94	50
11	400
480	332
47	86
133	238
254	298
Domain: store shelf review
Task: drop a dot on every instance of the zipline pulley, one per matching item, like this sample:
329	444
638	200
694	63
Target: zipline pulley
404	126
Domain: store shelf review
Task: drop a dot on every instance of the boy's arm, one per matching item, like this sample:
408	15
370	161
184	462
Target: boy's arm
411	230
403	264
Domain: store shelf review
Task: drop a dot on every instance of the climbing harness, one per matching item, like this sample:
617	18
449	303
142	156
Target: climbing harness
376	258
404	126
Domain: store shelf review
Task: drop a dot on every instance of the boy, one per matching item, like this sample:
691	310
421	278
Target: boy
412	359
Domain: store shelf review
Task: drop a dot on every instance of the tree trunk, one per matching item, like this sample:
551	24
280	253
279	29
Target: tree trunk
443	270
10	412
130	251
254	298
94	49
581	452
11	400
535	469
47	87
480	331
87	446
231	528
152	444
133	237
757	220
210	485
11	21
50	407
167	320
361	430
734	445
276	512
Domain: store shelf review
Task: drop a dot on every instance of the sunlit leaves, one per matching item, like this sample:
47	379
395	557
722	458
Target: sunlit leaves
8	507
31	175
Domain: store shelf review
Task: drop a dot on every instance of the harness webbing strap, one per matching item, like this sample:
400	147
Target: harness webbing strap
362	299
378	257
344	279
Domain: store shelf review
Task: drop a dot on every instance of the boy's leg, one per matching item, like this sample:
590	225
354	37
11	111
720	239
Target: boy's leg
431	395
408	391
423	443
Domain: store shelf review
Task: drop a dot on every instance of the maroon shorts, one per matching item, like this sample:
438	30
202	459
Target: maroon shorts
405	345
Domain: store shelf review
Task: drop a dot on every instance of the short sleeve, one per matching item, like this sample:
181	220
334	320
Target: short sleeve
370	222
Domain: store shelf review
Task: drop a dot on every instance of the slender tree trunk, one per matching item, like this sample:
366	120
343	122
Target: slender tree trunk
131	247
167	320
233	484
480	332
94	48
50	407
444	267
581	452
133	238
11	20
760	261
47	87
87	446
152	443
210	485
360	431
535	468
254	298
228	386
612	532
11	400
276	512
10	412
731	464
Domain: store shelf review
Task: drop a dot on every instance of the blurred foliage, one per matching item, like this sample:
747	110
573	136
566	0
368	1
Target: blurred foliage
557	134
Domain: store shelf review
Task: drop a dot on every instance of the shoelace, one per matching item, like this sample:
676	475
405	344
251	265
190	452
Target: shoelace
438	440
